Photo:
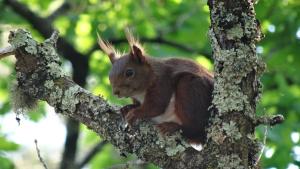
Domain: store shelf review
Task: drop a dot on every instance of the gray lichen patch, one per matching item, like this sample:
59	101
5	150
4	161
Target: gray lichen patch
20	38
230	162
146	140
232	65
228	97
55	70
173	144
215	133
235	32
51	60
250	27
231	130
70	99
49	84
96	104
145	129
171	151
31	48
48	52
55	95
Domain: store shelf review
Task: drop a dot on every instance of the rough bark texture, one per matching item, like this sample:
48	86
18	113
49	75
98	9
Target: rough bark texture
231	143
234	32
79	65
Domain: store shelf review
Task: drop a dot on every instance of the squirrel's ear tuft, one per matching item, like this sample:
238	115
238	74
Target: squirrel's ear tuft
137	54
108	49
137	50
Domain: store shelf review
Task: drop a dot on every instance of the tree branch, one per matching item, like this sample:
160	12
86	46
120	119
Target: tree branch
269	120
59	11
79	64
231	142
44	26
40	77
6	51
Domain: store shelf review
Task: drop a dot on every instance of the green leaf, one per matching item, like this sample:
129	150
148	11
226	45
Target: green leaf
7	145
5	163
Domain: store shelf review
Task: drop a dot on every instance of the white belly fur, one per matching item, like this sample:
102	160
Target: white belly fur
169	115
140	97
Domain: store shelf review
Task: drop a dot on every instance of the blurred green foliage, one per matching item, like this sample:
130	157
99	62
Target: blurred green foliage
182	22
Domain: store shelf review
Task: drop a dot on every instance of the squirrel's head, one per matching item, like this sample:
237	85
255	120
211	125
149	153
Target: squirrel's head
131	73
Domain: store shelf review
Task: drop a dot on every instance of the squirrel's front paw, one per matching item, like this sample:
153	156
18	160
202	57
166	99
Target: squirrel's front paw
131	117
125	109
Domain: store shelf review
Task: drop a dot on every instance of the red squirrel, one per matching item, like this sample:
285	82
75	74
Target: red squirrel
174	93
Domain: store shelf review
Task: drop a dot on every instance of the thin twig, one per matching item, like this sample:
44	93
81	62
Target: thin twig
264	146
54	37
39	154
269	120
6	51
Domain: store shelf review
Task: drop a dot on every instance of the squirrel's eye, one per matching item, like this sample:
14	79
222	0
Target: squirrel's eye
129	73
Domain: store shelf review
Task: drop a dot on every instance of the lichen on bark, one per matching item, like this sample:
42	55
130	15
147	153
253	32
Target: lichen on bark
234	32
39	76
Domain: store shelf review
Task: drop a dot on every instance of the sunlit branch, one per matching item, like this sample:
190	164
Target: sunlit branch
4	52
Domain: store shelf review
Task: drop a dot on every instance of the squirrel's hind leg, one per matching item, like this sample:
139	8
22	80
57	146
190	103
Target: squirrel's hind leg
168	128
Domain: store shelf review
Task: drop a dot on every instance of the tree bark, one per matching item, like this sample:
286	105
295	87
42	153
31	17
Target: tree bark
231	142
234	32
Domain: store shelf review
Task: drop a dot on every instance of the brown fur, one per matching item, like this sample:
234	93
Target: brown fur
154	83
